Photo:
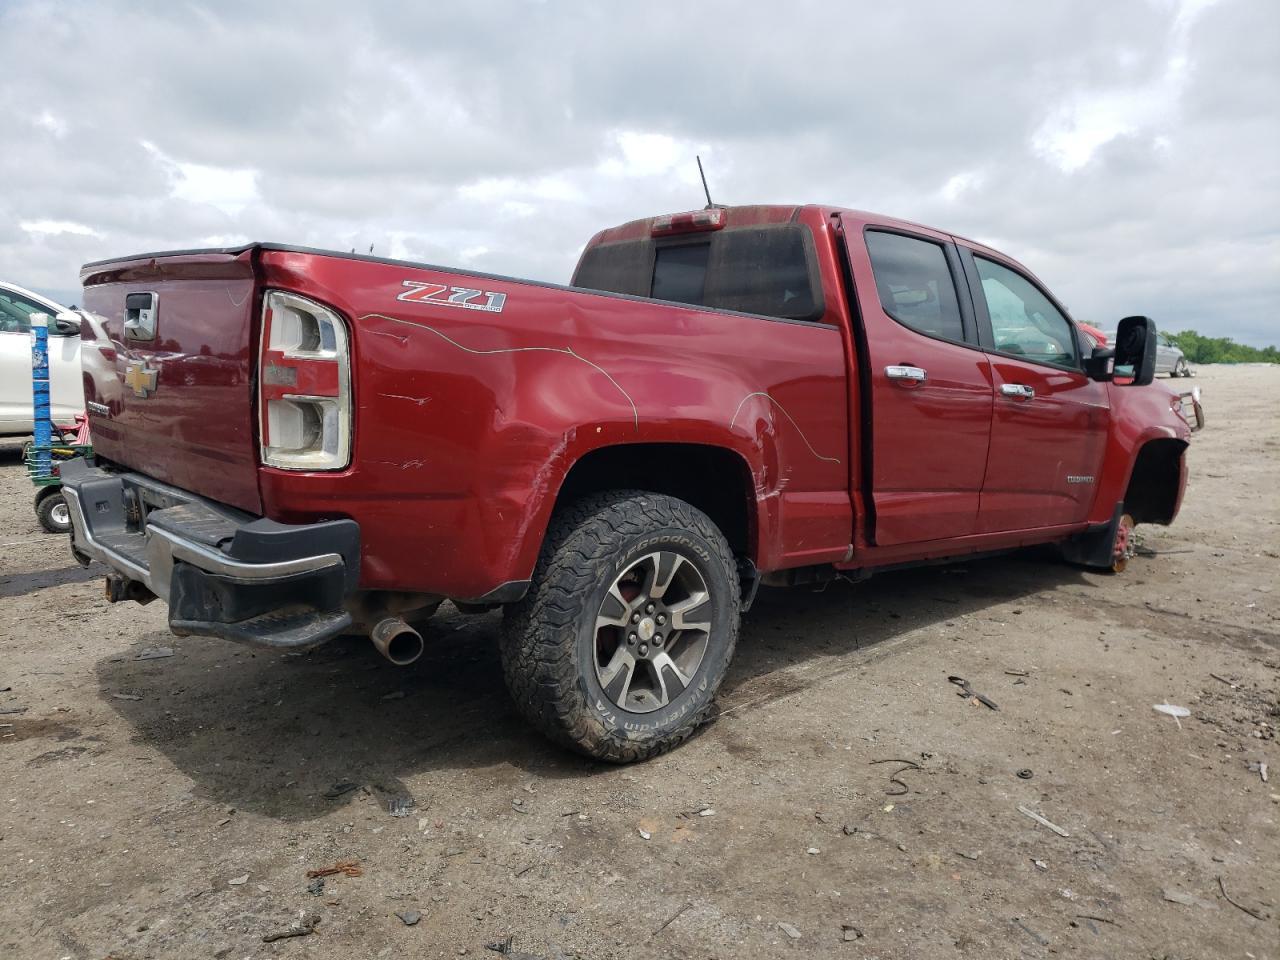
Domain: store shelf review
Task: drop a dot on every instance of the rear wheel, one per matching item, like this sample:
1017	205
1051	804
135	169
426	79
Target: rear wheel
1180	369
623	640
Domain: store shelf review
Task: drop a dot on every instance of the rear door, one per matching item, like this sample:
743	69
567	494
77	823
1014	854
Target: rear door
925	381
1050	423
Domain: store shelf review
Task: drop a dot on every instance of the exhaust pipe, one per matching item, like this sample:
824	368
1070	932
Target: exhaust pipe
397	641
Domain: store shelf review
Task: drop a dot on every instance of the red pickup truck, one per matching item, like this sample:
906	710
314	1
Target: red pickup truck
294	444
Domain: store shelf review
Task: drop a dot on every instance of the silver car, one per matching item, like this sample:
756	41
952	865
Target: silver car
1169	356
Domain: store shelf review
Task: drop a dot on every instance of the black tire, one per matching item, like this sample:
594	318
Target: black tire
51	511
550	640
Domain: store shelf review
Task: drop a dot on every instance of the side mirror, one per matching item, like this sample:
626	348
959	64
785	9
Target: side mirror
65	324
1136	348
1097	366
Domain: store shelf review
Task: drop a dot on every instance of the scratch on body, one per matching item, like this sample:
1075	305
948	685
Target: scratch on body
420	401
792	419
563	351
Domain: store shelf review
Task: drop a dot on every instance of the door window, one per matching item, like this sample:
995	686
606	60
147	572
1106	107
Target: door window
1024	322
915	284
16	311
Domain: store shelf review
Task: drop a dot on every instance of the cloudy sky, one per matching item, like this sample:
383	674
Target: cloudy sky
1128	152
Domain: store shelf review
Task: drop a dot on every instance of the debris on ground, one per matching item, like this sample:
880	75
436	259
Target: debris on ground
1042	821
1188	899
348	868
401	806
341	788
970	694
501	946
706	812
1029	932
849	932
644	834
409	917
672	919
316	887
155	653
304	926
125	696
1172	710
967	855
893	777
239	881
1025	774
1256	914
394	695
789	930
1260	768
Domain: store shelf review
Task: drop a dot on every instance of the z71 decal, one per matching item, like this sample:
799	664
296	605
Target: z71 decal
446	296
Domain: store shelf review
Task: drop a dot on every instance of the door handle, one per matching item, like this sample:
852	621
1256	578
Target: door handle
1019	390
906	373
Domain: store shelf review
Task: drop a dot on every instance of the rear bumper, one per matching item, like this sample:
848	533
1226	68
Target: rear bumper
222	572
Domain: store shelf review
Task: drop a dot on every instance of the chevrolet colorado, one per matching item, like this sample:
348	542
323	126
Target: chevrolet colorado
295	444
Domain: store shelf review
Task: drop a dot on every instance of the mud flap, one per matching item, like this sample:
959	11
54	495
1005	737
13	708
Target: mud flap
1093	547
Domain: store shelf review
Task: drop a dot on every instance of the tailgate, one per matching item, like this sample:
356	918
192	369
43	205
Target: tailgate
168	369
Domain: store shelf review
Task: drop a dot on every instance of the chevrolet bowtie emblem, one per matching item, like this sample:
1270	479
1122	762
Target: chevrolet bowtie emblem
140	378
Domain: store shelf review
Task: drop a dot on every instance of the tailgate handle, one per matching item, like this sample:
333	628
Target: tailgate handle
140	311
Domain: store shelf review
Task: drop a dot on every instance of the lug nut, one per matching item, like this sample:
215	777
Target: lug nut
657	639
649	608
631	638
635	618
643	649
662	618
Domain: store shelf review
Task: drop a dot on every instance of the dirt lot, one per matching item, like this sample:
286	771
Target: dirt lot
172	807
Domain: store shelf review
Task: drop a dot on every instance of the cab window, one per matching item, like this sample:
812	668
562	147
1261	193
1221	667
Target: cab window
1024	322
915	284
15	312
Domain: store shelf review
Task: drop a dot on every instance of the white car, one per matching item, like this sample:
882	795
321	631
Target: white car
66	385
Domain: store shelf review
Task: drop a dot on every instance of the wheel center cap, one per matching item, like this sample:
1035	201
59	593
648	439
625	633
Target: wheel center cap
646	629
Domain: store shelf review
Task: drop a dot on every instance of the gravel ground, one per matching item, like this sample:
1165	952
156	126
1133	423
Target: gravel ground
172	807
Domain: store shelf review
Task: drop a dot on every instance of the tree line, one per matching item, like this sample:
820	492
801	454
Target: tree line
1202	349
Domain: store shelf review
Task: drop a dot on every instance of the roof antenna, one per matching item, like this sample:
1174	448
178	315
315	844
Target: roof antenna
702	174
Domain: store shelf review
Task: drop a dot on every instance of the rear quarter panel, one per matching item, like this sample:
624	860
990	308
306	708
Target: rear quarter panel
468	421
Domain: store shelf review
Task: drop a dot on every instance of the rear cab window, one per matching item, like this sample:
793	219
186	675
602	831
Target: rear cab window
915	284
768	270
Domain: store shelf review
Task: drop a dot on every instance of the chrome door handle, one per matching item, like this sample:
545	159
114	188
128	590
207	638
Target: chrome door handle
1019	390
911	374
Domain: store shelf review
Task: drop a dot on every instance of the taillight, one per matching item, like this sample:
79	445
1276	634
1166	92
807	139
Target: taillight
304	385
695	221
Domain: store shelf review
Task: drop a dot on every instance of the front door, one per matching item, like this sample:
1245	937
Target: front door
1050	423
926	381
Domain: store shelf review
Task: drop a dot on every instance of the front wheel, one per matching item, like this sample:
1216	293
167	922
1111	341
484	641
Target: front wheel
619	647
1181	369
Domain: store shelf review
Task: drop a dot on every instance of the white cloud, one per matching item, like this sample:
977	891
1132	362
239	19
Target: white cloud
52	123
226	189
56	227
